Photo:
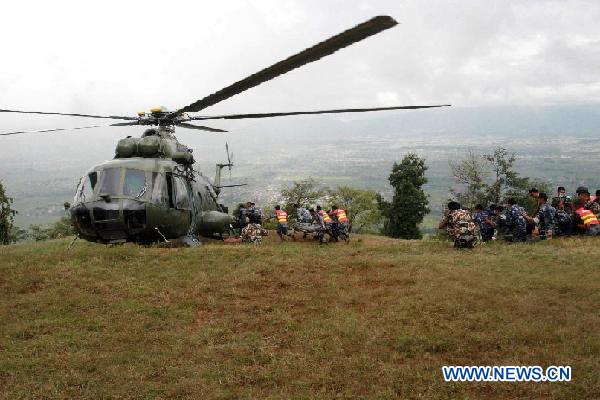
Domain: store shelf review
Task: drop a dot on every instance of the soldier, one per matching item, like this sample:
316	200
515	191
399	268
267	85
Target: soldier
563	198
282	222
532	208
460	226
515	221
302	214
498	217
545	217
484	222
319	220
534	193
564	212
253	233
255	214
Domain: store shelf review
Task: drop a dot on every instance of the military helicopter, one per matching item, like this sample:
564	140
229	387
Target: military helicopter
150	191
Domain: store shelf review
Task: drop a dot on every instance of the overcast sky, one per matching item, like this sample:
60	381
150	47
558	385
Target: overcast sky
124	56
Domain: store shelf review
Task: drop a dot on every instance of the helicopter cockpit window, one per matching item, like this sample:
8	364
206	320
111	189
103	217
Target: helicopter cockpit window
182	198
160	192
135	185
111	182
85	190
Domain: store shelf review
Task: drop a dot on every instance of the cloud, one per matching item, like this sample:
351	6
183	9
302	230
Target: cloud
119	57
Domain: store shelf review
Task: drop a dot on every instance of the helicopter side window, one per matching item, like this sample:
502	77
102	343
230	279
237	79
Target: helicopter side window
159	194
182	198
93	177
85	190
111	182
170	190
135	183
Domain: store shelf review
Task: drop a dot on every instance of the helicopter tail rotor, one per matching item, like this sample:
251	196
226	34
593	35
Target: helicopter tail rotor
229	158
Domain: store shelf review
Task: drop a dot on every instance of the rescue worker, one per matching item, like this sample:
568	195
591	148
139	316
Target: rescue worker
586	221
584	198
484	222
282	222
515	221
460	226
327	221
545	217
340	221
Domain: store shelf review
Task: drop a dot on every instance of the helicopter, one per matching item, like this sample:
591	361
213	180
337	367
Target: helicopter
150	190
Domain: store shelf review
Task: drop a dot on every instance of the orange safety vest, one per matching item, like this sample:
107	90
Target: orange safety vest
341	215
326	217
281	216
587	217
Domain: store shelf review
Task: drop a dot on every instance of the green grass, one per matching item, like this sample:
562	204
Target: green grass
374	319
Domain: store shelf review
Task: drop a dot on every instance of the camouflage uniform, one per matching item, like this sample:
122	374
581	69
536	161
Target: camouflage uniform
253	233
592	206
545	218
564	215
566	201
303	215
459	223
515	223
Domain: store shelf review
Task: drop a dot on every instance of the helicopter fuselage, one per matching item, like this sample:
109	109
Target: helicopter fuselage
144	200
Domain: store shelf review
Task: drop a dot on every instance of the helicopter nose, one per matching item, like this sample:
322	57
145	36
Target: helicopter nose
110	221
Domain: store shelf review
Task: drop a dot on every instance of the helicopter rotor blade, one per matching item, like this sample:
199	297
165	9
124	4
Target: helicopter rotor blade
70	114
318	51
234	185
69	129
199	127
339	111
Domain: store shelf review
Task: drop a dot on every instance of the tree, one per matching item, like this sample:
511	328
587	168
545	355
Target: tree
491	178
361	207
304	192
409	204
7	217
470	173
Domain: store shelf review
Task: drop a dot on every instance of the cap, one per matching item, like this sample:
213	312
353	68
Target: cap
582	189
454	205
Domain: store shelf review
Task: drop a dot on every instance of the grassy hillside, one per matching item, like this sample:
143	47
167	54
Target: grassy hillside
374	319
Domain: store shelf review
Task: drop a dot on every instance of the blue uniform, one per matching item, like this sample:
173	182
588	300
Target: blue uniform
516	223
486	229
546	219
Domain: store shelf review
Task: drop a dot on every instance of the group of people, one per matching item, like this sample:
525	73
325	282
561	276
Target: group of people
561	215
321	223
314	221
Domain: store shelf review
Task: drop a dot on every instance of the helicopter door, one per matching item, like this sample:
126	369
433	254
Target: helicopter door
183	204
